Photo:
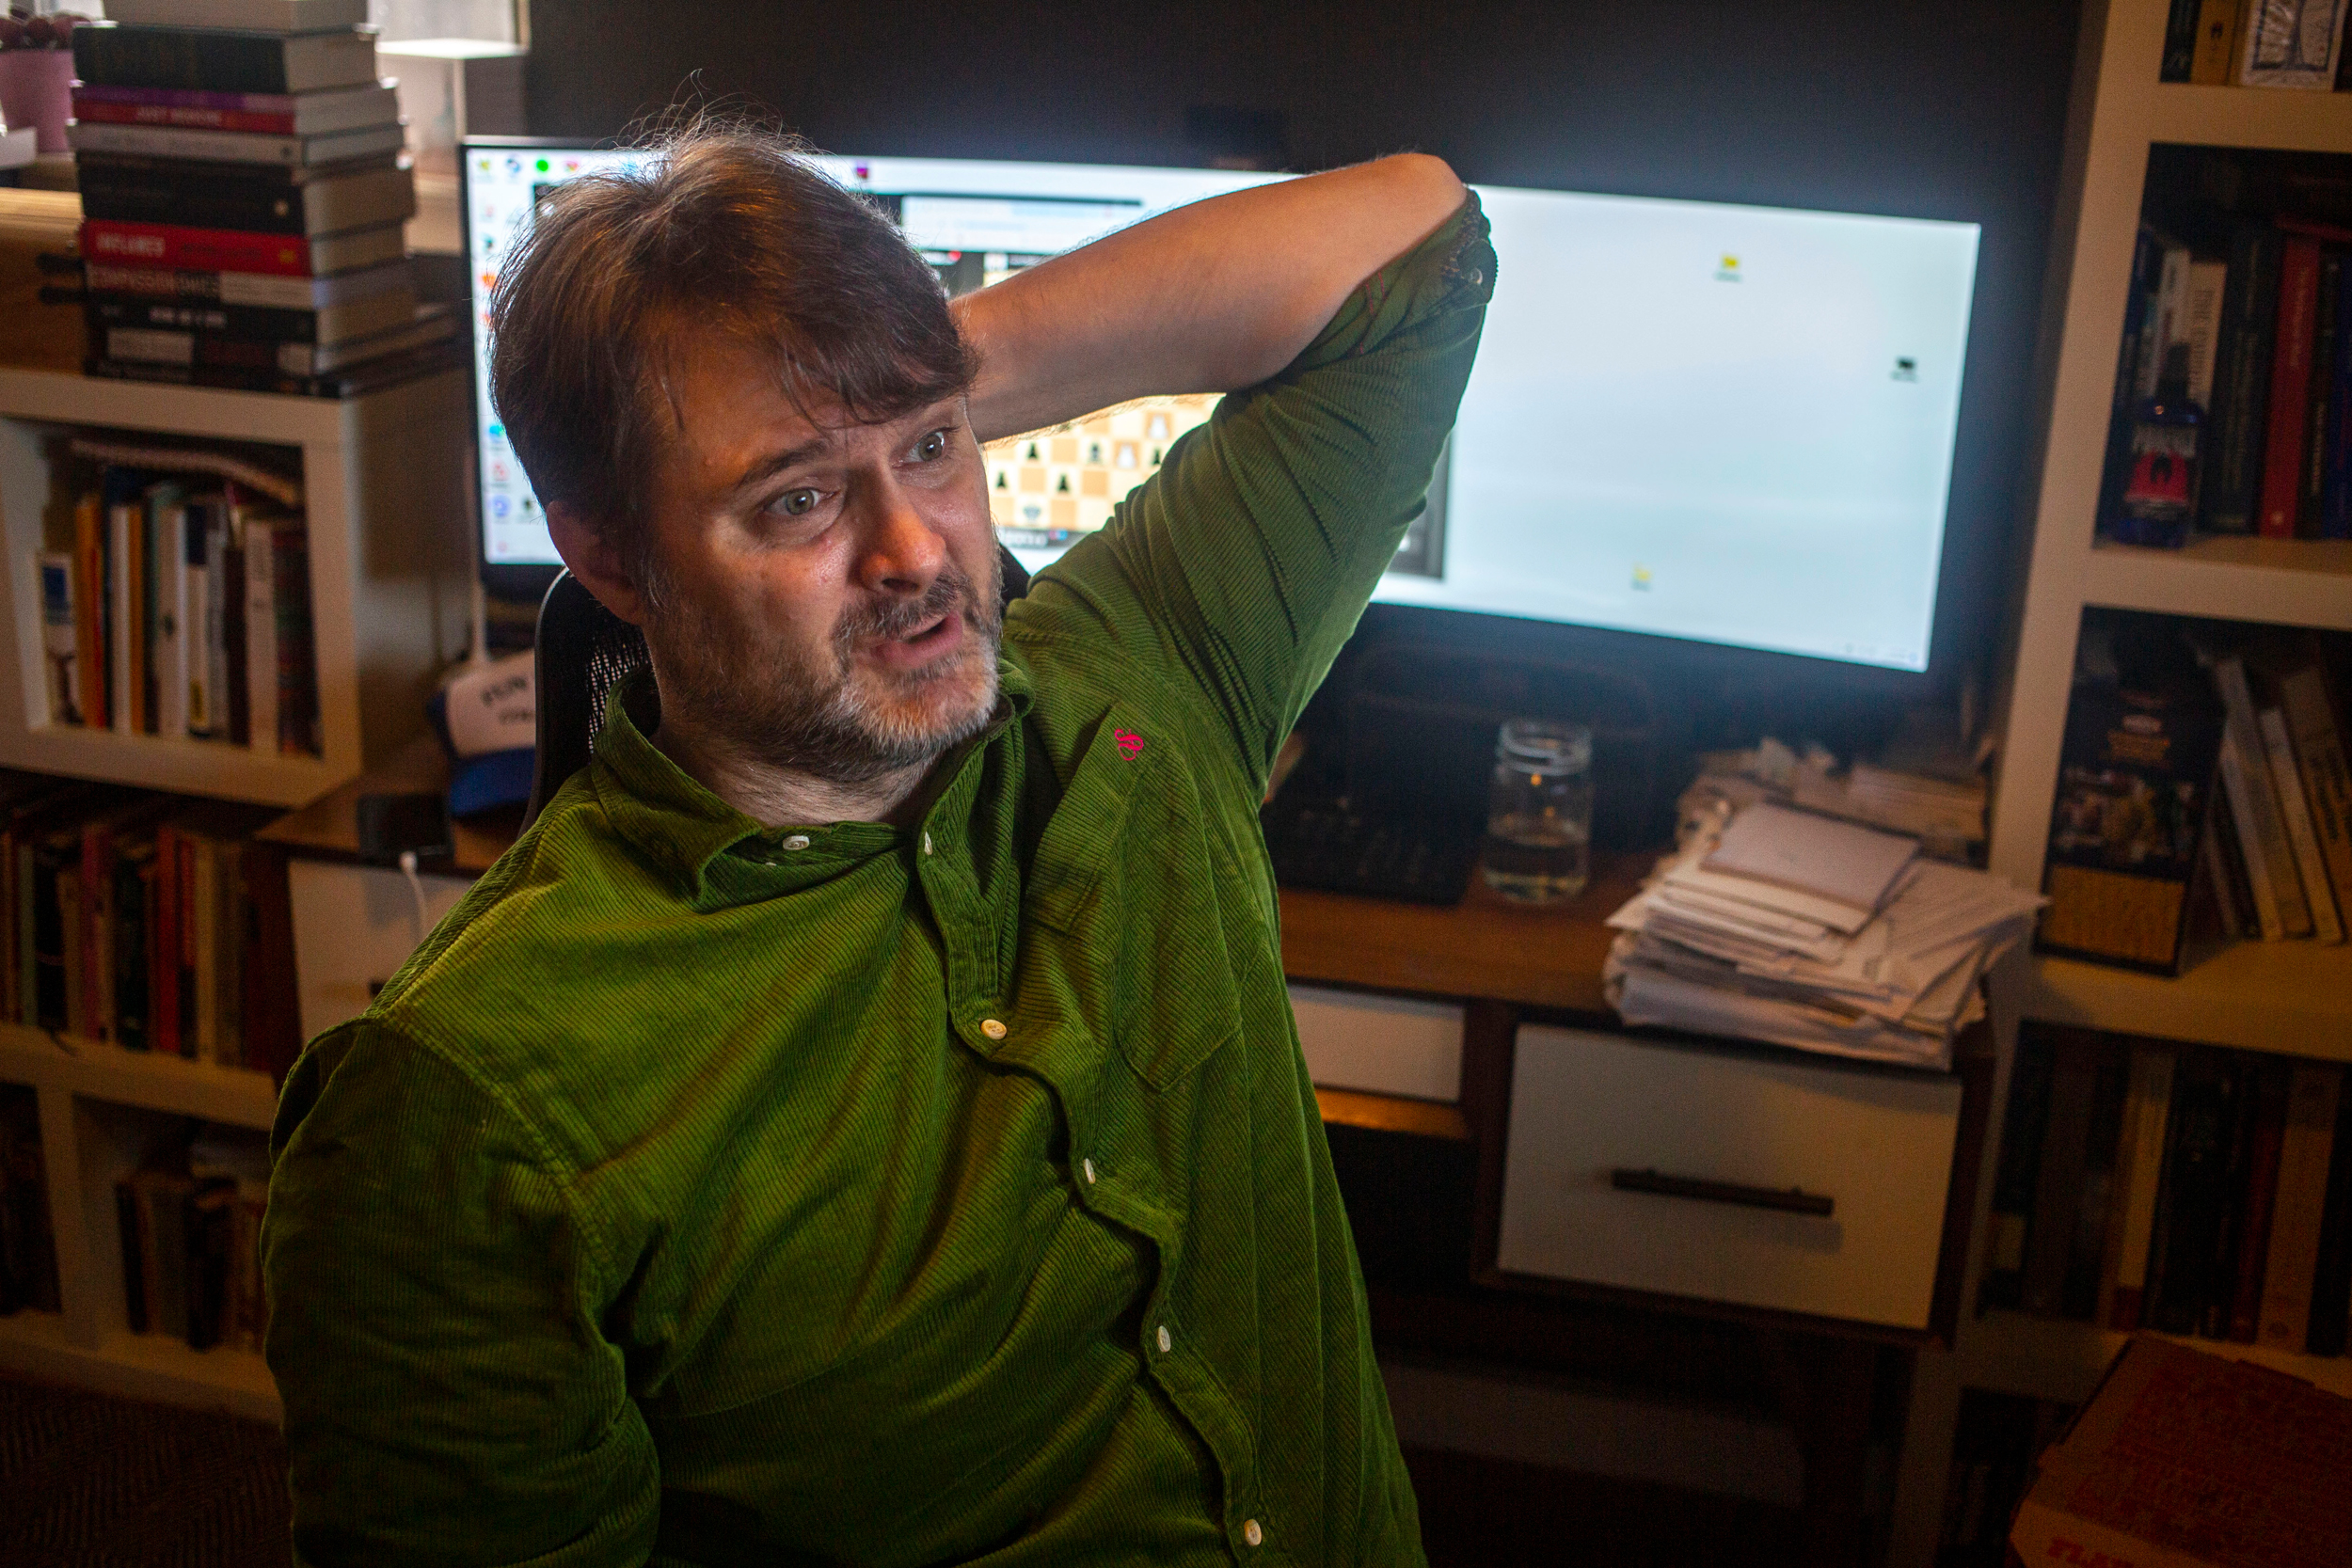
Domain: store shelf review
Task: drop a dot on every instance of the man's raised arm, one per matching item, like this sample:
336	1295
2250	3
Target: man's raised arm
1210	297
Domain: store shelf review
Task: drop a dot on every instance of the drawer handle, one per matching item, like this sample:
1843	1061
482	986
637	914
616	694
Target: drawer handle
1794	1200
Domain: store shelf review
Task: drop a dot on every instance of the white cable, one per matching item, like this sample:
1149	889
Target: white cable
416	889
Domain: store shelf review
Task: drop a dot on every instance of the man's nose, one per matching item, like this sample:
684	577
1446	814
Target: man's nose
900	552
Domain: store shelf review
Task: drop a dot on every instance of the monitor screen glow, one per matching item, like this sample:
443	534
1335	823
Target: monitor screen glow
1724	423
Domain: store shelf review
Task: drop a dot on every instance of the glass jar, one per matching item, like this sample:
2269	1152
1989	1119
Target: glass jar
1539	811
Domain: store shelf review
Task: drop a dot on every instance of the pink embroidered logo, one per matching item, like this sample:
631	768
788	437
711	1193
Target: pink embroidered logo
1129	743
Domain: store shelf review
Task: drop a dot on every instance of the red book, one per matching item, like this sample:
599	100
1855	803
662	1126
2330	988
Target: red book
168	244
2290	387
163	930
183	117
2262	1190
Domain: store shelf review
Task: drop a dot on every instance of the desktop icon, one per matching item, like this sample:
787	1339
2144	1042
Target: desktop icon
1728	272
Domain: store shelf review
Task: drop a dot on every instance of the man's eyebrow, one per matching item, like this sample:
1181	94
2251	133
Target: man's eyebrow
764	468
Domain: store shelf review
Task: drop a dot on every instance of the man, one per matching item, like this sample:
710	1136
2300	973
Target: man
861	1121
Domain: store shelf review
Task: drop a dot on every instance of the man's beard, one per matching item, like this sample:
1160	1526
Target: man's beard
761	700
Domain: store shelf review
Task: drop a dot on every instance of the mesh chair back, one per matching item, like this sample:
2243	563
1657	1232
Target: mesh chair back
583	651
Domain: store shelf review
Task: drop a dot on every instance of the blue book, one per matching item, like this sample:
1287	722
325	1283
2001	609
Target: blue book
2335	495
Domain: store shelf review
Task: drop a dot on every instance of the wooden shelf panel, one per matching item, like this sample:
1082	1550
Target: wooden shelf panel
238	1096
2055	1359
2292	997
2295	582
189	766
2284	118
1389	1113
141	1367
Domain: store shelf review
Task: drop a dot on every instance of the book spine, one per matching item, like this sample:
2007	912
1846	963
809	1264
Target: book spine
2242	364
97	935
60	638
2290	387
2267	1133
87	96
2262	836
164	961
2148	1104
205	925
131	958
2299	1205
2003	1280
183	117
2057	1190
2200	324
90	600
2319	405
128	1224
68	893
140	631
2331	1273
2327	776
2310	864
2213	1322
166	1220
2138	326
189	1043
163	244
2204	1117
297	681
230	322
120	709
16	1009
216	61
205	660
261	636
171	621
2217	29
231	574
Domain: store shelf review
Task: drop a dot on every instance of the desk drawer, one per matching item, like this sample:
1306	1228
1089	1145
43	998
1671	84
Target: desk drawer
1593	1116
354	926
1380	1044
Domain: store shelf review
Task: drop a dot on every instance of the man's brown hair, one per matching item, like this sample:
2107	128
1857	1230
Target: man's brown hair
723	227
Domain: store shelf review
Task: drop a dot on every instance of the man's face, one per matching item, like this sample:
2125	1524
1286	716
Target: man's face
821	596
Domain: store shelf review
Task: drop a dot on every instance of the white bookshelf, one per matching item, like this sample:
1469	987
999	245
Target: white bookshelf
99	1104
384	493
2288	997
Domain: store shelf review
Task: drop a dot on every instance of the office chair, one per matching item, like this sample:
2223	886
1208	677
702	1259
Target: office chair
584	650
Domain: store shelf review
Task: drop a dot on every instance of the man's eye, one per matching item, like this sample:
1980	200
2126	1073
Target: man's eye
930	447
795	503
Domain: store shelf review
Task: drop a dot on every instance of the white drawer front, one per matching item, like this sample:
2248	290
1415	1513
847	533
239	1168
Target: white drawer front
354	926
1586	1105
1380	1044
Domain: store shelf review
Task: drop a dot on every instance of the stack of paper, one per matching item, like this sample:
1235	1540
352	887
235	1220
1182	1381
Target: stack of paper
1947	815
1775	924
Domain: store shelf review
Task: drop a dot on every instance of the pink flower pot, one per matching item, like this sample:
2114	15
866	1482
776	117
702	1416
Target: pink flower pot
36	89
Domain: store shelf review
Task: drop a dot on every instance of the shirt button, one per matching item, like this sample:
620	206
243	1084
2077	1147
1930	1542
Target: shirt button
1088	1165
798	841
1252	1533
1166	1342
927	844
991	1028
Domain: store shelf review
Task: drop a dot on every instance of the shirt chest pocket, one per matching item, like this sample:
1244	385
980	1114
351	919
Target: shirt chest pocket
1125	885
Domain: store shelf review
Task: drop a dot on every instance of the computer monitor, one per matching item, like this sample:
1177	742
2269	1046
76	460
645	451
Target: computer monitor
1724	424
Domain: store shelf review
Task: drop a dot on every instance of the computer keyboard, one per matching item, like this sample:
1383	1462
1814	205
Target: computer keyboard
1329	844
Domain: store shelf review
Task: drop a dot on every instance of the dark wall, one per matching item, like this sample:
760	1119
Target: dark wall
1926	108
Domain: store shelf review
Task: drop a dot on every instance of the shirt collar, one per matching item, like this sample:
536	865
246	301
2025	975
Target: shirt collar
716	855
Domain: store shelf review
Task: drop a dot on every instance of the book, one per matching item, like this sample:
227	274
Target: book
2180	40
283	488
150	575
348	196
124	512
209	1218
2332	1270
222	610
60	637
2203	1122
245	324
271	290
434	325
370	375
298	732
2002	1282
2148	1102
164	1239
2136	771
2334	519
2290	387
2266	1131
2186	1460
2213	1321
234	146
168	550
2200	325
2298	1205
168	1028
204	622
2058	1188
2216	30
2290	43
228	568
260	629
2231	492
90	598
2327	777
240	250
263	16
222	60
267	114
2262	834
2138	344
2327	924
2318	401
130	1218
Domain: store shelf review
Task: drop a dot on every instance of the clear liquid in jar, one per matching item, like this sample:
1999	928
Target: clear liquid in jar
1536	858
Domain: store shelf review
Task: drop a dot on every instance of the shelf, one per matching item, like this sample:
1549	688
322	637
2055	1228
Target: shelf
58	397
2284	118
2295	582
237	1095
2292	997
141	1367
1387	1112
188	767
2058	1359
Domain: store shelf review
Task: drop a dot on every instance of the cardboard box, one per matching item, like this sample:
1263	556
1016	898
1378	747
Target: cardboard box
2185	1460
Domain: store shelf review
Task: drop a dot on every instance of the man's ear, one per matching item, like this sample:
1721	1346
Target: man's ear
595	563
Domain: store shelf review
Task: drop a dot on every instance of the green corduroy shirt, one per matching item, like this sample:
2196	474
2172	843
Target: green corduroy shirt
847	1192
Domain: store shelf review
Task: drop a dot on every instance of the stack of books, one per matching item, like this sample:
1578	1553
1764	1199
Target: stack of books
191	1224
244	195
2147	1184
28	1248
179	607
1801	930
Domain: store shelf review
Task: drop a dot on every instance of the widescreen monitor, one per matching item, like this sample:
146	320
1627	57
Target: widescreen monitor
1729	424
